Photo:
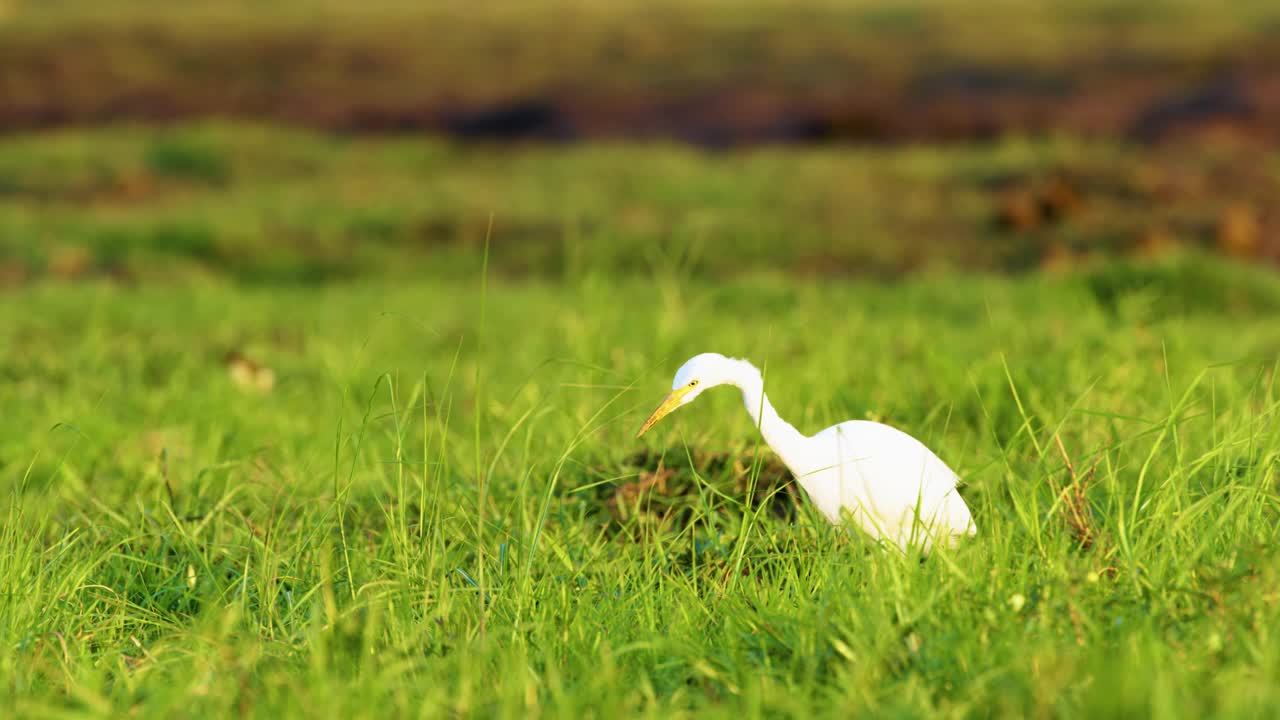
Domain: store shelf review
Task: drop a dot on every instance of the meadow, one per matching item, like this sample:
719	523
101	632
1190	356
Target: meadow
434	504
261	206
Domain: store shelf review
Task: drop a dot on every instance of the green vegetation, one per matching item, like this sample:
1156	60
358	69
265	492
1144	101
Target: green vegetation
301	424
269	206
176	543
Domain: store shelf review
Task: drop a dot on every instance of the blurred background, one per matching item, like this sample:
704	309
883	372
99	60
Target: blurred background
310	141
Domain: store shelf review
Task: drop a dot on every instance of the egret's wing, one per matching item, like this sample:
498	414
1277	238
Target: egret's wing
890	482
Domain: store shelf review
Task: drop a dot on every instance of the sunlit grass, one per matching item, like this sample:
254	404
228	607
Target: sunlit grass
175	544
268	206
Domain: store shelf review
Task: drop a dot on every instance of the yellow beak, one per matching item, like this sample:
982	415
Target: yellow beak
671	403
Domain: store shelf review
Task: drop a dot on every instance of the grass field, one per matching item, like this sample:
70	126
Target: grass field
437	507
326	330
264	206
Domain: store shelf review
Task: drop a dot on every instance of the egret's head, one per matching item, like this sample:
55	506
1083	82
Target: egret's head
699	373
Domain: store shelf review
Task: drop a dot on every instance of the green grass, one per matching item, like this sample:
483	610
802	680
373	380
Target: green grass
412	521
266	206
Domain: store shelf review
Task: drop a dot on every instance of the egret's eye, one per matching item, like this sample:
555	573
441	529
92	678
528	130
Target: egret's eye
693	383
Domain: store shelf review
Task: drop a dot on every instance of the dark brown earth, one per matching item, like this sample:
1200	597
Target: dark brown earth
720	87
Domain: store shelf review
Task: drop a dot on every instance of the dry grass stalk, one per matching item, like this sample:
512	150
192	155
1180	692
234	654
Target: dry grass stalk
1078	516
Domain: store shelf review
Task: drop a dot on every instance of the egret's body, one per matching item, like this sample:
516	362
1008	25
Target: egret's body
884	480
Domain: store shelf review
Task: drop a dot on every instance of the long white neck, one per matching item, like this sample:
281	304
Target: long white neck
785	440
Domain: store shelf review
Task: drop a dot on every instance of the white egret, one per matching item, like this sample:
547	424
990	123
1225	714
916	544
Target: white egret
887	482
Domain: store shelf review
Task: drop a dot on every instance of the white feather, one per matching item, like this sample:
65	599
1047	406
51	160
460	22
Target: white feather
882	479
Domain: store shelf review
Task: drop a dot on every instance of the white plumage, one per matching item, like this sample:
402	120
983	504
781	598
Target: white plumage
882	479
